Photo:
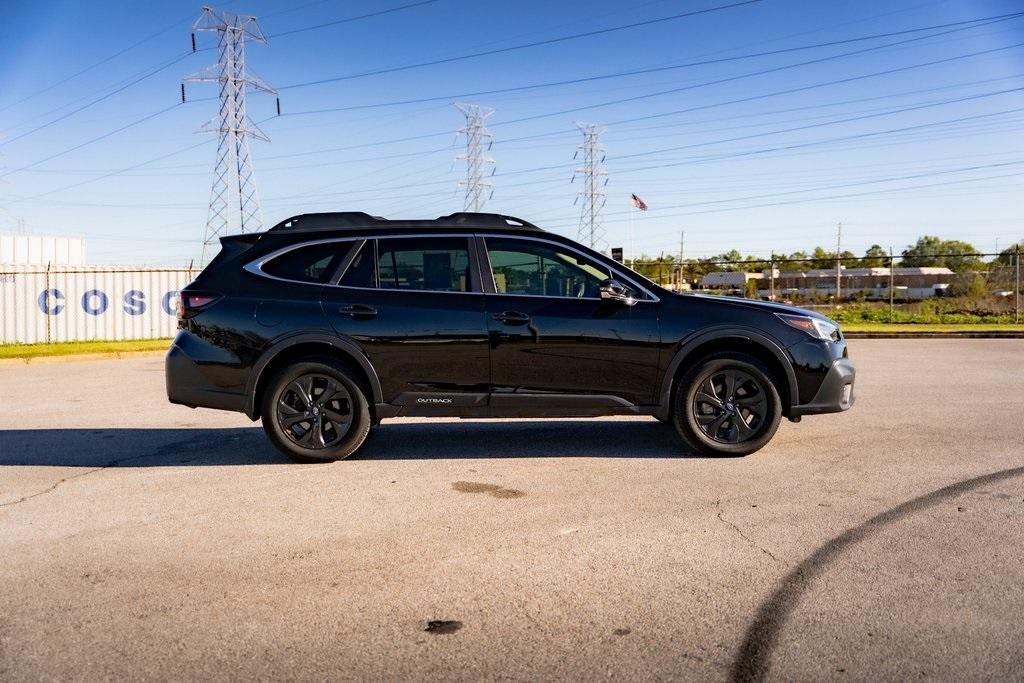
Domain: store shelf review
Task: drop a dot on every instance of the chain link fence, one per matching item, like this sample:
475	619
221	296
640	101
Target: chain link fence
980	288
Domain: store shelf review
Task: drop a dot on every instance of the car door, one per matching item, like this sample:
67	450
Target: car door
554	341
415	306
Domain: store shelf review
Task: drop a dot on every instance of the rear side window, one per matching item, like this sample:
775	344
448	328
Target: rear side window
313	263
438	264
361	272
434	264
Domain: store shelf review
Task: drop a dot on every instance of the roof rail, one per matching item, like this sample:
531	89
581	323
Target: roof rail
486	220
358	219
327	221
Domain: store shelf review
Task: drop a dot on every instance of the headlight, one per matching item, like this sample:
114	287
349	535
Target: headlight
816	327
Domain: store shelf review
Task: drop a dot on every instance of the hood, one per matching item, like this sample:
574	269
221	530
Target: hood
768	306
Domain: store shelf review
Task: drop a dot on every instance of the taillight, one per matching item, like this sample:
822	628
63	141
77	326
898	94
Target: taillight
193	302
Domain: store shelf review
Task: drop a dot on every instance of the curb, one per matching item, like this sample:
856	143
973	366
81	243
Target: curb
934	335
73	357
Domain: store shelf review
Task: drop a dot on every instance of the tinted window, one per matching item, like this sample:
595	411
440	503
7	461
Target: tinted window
426	263
314	263
360	273
525	267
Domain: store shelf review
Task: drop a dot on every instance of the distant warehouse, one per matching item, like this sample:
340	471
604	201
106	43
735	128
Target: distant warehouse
40	250
909	283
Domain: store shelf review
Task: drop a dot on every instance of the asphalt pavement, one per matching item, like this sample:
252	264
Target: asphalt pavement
145	540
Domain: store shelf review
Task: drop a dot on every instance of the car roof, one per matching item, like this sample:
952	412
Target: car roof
356	220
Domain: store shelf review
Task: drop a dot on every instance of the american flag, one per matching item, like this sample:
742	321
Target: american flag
639	203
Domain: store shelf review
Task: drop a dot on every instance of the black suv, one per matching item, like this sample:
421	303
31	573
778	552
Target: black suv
327	323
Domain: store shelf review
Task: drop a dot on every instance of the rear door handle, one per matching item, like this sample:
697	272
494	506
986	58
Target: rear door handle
512	318
358	311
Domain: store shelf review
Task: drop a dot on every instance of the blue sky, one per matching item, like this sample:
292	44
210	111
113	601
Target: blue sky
757	153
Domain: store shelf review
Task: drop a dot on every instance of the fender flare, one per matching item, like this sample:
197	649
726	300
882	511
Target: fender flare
689	344
346	346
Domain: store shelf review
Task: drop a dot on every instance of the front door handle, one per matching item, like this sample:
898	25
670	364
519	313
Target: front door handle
512	318
358	311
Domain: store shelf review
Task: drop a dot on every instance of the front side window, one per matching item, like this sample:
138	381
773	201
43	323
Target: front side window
436	264
538	269
312	263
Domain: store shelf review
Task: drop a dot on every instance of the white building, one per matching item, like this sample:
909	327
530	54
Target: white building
40	250
910	282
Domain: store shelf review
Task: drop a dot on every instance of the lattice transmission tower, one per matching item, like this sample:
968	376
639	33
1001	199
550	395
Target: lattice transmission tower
591	229
234	182
478	142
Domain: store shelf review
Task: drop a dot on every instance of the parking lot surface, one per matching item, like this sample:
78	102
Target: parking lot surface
145	540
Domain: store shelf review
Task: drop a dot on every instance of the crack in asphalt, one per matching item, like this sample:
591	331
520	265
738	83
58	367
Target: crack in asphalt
753	660
164	450
752	542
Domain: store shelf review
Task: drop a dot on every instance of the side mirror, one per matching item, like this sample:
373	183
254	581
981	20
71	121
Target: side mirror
614	290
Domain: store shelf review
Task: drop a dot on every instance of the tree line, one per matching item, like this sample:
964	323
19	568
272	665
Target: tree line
928	251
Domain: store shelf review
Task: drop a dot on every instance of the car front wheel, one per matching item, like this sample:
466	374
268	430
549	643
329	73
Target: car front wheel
313	411
727	405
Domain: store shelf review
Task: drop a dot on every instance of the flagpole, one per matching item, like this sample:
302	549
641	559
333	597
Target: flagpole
632	256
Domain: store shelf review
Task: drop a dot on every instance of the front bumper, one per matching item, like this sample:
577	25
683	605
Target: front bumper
835	394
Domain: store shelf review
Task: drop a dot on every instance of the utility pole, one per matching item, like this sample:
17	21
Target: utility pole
591	228
682	246
892	282
477	137
839	245
1016	290
233	175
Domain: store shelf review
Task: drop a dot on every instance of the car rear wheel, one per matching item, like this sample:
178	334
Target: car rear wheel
727	405
313	411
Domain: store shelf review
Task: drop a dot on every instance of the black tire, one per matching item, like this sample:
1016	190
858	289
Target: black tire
727	405
330	426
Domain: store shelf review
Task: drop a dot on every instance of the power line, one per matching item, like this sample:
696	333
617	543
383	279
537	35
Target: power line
787	110
347	20
104	136
876	181
742	100
968	24
94	65
785	92
166	64
110	174
523	46
97	100
851	119
762	72
845	138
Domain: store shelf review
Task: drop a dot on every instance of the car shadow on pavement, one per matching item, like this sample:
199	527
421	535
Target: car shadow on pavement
390	441
550	438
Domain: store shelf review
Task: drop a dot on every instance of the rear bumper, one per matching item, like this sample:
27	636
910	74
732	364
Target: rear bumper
835	394
188	385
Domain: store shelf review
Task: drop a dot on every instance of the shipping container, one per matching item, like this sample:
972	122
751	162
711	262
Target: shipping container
60	303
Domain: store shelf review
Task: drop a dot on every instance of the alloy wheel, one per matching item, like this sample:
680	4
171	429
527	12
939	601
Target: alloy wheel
730	406
315	411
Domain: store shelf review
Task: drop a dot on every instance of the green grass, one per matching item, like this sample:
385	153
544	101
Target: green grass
900	328
73	348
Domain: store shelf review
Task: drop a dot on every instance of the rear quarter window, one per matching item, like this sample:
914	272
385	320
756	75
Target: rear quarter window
312	263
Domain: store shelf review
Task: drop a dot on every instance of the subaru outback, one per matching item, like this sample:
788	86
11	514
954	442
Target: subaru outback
328	323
